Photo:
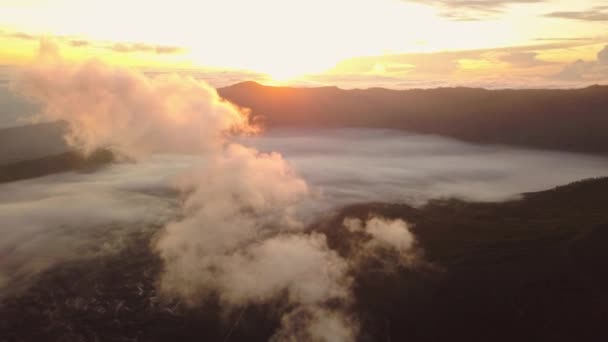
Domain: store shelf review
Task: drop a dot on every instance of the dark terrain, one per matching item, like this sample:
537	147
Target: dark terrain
39	150
32	142
534	269
573	120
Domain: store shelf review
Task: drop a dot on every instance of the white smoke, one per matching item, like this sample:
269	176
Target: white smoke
126	111
238	234
393	234
382	233
315	324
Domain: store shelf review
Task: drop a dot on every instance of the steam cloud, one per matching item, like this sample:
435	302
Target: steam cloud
389	243
384	233
237	234
123	110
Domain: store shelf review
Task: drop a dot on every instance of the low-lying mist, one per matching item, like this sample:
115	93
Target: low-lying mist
361	165
64	216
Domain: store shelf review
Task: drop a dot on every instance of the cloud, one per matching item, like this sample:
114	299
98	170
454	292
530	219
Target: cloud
20	35
467	10
28	36
79	42
596	71
286	262
486	5
121	47
523	59
125	111
437	69
394	234
316	325
384	234
562	39
240	237
145	48
602	56
598	13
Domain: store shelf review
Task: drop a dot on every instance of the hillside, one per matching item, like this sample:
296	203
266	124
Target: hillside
39	150
567	120
31	142
526	270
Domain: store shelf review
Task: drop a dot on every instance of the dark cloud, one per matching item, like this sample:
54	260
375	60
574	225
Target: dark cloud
468	10
598	13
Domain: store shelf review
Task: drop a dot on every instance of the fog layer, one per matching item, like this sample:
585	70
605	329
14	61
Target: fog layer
361	165
56	218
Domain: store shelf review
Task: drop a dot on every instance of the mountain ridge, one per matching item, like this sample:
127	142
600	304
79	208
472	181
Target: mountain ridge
572	120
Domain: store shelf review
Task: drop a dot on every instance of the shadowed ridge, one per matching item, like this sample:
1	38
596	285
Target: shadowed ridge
574	120
498	271
581	196
63	162
32	141
253	85
244	85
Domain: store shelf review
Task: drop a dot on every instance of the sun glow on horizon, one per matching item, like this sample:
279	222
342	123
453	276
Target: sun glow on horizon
284	41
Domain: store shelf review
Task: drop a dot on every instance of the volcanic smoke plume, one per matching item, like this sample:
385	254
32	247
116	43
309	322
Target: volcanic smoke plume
121	109
238	234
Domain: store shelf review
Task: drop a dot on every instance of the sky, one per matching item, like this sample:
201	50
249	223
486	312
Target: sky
346	43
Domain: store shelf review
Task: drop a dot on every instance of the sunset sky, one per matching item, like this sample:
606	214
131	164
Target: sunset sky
348	43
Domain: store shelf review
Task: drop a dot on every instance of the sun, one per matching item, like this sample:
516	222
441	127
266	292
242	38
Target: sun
281	74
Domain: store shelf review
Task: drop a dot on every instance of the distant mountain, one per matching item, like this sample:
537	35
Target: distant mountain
39	150
533	269
568	120
31	142
55	163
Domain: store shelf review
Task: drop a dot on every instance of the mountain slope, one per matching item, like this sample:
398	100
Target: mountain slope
526	270
567	120
31	142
